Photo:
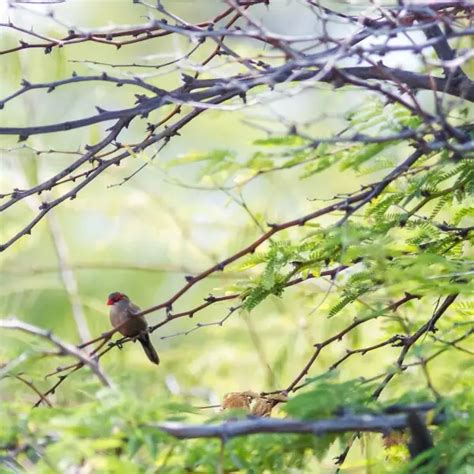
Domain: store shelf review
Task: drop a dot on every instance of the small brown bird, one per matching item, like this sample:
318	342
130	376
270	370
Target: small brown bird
123	316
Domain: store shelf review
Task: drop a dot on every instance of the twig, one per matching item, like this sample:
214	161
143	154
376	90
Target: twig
64	347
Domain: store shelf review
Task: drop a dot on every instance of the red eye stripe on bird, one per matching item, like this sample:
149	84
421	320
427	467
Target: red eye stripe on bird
123	317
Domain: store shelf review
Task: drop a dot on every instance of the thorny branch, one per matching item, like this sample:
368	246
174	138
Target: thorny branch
364	196
64	347
305	59
281	65
378	423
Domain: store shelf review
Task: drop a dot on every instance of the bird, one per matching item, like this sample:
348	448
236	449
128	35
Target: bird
123	317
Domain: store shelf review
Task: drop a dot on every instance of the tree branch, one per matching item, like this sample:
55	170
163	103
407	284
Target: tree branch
378	423
64	347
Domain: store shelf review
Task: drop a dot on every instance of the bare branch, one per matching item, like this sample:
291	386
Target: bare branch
377	423
64	347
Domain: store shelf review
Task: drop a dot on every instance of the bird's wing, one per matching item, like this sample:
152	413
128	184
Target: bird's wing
134	309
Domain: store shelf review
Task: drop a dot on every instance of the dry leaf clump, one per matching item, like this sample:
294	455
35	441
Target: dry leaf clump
254	403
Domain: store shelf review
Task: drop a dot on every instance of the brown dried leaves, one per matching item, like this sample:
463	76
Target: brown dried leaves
252	402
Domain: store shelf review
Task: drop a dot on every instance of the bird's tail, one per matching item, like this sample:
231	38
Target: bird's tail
148	348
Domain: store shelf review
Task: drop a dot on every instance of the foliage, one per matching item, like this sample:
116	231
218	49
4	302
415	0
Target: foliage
114	434
322	269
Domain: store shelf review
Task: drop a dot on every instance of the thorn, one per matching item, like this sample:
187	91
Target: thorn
140	98
186	78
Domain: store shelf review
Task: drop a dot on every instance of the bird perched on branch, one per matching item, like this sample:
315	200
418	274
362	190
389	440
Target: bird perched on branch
123	316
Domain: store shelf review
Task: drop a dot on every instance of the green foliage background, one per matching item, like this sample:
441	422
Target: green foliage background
181	216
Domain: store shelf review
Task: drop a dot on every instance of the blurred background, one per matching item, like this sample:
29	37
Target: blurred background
142	237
